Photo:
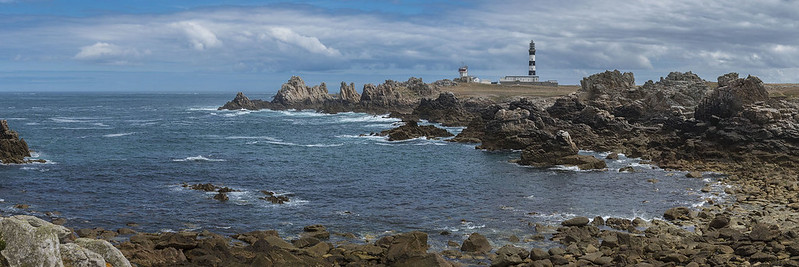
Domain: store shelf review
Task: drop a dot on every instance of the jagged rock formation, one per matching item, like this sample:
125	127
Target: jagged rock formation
559	151
615	92
12	148
412	130
387	97
296	93
446	109
730	98
30	241
736	122
395	96
348	94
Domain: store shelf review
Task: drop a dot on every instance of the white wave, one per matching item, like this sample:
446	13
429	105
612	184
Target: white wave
324	145
464	226
373	137
197	158
118	134
16	119
100	124
369	118
203	109
282	143
298	113
73	119
254	137
31	123
231	113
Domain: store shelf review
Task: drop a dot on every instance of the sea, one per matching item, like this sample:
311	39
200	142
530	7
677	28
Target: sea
113	159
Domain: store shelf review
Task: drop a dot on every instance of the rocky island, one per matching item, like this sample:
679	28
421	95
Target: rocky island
12	148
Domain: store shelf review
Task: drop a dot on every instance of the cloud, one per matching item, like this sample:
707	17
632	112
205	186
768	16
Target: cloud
312	44
200	37
573	38
108	53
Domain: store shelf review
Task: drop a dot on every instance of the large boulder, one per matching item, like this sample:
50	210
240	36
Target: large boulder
12	148
77	256
109	253
295	94
30	241
476	243
729	100
407	245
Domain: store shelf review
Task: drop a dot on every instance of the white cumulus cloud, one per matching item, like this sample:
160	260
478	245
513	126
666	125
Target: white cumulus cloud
109	53
312	44
199	36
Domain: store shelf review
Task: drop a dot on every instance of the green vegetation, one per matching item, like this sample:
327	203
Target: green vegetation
499	92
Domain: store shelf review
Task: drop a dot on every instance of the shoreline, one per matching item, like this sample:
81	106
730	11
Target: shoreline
759	225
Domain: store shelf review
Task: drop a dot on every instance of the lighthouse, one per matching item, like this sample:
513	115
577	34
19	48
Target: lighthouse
530	78
531	71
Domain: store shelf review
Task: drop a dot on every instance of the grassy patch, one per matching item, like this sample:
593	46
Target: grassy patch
783	90
500	92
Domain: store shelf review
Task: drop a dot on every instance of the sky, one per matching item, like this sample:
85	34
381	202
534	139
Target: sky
255	46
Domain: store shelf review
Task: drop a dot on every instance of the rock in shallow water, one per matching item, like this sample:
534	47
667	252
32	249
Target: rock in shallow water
476	243
12	148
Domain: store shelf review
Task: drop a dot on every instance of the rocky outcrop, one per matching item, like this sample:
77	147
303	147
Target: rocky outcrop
391	96
559	150
239	102
729	100
411	130
266	248
446	109
295	93
12	148
348	94
30	241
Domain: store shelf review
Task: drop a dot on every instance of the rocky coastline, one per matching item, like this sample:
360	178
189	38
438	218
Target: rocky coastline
680	122
13	150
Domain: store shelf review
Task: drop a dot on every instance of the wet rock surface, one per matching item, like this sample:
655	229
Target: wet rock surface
412	130
266	248
12	148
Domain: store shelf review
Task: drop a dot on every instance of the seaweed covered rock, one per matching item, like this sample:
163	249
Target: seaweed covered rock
12	148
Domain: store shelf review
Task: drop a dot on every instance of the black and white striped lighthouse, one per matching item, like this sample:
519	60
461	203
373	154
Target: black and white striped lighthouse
531	72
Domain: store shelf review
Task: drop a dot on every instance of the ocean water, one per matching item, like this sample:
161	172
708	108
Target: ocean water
115	158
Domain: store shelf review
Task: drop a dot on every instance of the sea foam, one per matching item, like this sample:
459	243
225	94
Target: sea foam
197	158
118	134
